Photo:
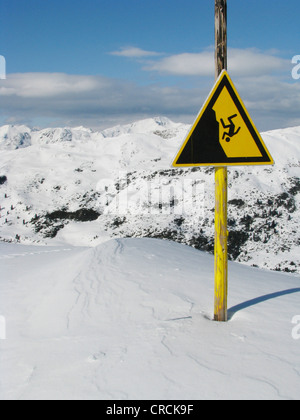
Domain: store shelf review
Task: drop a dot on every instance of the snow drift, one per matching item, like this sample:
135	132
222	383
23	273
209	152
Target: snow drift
131	319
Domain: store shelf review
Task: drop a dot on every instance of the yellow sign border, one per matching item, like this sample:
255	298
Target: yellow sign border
223	75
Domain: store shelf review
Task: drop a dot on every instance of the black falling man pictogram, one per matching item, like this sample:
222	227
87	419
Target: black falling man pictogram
232	132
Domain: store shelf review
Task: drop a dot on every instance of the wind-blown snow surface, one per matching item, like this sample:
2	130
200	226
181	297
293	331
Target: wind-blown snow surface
69	186
131	319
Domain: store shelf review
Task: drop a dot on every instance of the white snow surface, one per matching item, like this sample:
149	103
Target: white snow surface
132	319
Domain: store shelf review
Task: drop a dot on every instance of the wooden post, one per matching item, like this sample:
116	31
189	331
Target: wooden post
220	36
221	233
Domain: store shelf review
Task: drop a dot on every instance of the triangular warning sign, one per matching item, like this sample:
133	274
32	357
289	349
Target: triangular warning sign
223	133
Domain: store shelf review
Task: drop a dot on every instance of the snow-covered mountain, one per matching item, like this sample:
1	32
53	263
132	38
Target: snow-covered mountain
80	187
14	137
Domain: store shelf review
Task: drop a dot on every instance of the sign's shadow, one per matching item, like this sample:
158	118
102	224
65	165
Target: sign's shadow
232	311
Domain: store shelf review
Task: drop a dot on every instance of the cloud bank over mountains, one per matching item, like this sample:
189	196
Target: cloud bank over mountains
181	83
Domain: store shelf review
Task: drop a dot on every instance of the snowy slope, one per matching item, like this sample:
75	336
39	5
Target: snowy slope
79	187
131	319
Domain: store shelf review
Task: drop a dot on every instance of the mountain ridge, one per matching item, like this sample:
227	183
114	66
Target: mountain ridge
58	180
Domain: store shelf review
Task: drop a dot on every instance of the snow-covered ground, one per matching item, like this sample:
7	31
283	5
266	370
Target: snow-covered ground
131	319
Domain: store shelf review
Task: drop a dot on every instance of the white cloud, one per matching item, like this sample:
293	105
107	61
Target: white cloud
252	62
186	64
48	99
31	85
85	100
242	63
133	52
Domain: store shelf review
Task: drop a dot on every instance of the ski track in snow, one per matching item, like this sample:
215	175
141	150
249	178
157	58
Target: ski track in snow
24	254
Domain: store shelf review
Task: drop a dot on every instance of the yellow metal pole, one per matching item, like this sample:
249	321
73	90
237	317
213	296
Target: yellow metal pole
221	255
221	174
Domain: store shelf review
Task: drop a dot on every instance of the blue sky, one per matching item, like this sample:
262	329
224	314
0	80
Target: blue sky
104	62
